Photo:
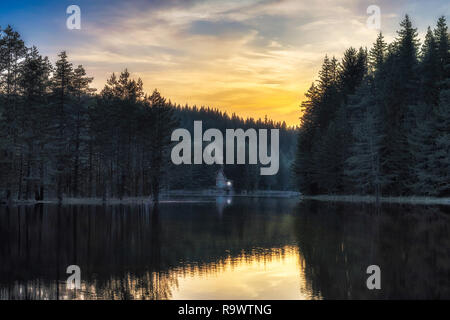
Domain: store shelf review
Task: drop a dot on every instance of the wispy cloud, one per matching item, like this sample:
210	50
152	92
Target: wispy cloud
251	57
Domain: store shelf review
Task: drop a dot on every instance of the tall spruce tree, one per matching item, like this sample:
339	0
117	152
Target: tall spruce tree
396	115
363	166
442	39
377	54
303	164
400	91
429	71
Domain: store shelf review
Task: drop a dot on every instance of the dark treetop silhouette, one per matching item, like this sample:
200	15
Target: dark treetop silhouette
379	121
57	137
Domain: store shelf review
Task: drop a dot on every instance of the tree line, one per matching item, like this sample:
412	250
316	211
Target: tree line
59	137
378	121
245	177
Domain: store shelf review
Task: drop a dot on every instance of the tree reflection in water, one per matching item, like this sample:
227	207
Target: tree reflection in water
141	252
411	244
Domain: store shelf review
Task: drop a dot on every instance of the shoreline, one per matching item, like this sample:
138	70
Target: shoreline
169	197
186	197
372	199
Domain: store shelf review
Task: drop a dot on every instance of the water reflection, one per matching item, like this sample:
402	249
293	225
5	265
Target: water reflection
222	202
411	244
249	249
262	274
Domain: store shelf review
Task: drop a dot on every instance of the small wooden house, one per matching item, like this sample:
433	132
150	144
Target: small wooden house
222	183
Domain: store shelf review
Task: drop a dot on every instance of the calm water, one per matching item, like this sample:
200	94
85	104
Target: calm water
225	249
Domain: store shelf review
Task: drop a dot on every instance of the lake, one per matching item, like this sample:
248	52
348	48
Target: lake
225	248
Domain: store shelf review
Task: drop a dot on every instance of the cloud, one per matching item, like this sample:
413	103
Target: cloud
251	57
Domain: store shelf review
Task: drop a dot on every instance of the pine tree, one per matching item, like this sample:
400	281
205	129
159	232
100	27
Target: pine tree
429	71
353	70
429	137
308	127
407	45
121	101
377	54
364	165
61	102
440	159
328	159
35	118
163	125
79	114
12	52
443	50
400	91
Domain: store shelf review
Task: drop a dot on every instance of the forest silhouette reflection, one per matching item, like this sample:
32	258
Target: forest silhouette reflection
251	248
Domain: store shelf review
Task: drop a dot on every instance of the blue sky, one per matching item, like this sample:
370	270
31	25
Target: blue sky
254	57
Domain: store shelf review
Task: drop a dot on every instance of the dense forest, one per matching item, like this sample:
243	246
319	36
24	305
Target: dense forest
245	177
378	122
60	138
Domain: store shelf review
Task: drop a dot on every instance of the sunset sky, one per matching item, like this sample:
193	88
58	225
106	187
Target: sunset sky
251	57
